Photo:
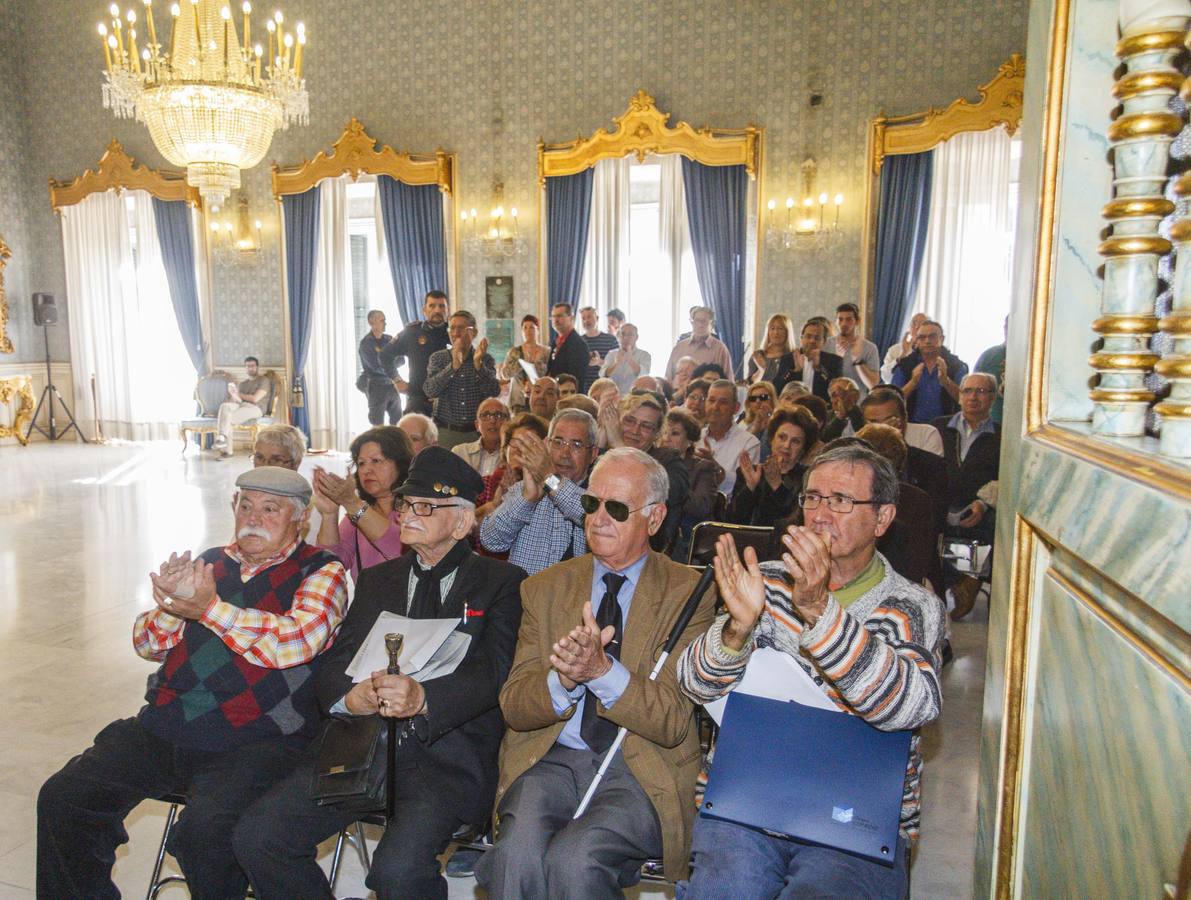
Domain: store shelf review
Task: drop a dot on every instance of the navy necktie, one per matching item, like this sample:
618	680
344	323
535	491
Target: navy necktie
597	732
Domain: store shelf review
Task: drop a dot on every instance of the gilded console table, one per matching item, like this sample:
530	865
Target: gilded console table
16	394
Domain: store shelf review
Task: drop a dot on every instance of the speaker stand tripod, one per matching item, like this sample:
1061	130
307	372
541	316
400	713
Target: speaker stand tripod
49	393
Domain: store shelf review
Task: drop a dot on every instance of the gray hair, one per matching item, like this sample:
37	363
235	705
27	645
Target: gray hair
884	479
287	437
575	415
657	482
430	429
992	379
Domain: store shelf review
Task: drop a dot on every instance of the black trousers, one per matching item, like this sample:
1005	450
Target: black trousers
81	810
383	398
276	841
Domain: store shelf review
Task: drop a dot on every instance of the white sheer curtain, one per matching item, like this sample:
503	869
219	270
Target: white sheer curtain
330	369
123	330
606	263
969	241
674	241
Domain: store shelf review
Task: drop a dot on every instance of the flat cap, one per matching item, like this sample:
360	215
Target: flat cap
275	480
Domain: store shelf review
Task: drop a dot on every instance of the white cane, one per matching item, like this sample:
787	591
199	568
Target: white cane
680	624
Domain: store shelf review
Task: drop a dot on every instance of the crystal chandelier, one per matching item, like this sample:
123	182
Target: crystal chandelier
501	237
805	228
211	99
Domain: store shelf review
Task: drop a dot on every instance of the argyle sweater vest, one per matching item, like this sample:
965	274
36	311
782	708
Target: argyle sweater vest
205	696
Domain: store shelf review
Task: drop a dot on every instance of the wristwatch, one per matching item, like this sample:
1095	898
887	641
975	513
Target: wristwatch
551	483
358	514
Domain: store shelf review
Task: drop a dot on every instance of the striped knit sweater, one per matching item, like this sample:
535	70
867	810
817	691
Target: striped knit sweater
879	659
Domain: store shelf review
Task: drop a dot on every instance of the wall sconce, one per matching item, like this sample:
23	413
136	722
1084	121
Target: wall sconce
810	227
235	242
500	236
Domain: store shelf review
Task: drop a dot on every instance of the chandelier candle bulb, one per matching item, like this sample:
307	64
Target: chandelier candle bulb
271	27
119	37
298	54
287	58
152	27
107	50
247	7
175	12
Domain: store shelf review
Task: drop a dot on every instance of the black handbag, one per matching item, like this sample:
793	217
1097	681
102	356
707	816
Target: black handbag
349	770
362	383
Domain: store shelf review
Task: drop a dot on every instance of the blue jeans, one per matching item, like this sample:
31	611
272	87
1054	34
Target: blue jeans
731	861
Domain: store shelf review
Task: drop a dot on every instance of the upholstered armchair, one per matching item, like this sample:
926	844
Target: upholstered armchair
209	392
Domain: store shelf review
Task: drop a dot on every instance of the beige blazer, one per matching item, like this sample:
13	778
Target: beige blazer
662	747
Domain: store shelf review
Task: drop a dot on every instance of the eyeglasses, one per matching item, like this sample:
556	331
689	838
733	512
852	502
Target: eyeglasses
634	423
575	446
757	398
499	414
259	459
968	392
837	503
423	508
616	509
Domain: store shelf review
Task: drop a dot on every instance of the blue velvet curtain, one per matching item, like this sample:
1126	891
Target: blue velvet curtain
301	251
412	215
716	202
902	215
175	238
568	217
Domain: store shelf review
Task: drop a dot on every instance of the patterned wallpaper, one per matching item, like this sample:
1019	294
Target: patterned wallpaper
487	78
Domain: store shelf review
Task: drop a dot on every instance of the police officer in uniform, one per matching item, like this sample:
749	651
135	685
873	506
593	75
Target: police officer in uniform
416	342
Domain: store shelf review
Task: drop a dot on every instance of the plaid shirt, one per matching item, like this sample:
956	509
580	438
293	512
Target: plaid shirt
457	393
264	639
536	535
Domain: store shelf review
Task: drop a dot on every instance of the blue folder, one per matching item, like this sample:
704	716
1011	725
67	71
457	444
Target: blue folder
813	775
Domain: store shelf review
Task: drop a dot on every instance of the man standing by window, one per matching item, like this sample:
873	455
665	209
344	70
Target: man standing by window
599	343
569	353
458	379
378	378
702	346
417	342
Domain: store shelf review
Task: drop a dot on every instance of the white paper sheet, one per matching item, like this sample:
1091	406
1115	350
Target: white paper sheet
774	674
529	370
423	637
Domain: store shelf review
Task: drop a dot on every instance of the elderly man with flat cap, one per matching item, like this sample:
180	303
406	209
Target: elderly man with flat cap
450	726
228	710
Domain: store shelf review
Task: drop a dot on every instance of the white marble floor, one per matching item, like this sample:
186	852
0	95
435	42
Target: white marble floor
80	527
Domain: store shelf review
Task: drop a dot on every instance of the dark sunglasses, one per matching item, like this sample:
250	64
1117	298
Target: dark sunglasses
757	398
616	509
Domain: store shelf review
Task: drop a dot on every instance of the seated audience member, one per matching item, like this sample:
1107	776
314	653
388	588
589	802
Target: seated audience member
568	386
846	417
458	379
724	439
709	371
666	388
236	632
861	358
421	431
449	727
600	388
812	365
817	407
247	400
646	383
774	362
628	361
930	376
868	637
766	492
532	352
886	406
578	401
701	345
543	397
684	371
924	469
759	404
791	392
483	454
992	361
507	474
279	445
370	530
694	400
682	431
911	545
640	426
540	521
902	348
587	644
972	451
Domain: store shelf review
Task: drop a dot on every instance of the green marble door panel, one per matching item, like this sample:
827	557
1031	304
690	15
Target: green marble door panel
1106	794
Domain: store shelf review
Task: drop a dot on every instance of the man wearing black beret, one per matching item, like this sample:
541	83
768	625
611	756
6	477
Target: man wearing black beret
450	726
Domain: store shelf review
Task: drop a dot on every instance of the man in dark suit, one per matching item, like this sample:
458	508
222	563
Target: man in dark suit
450	726
569	353
591	630
814	366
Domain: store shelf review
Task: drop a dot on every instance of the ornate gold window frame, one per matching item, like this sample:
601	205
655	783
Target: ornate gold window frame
5	342
643	129
1000	103
117	171
355	152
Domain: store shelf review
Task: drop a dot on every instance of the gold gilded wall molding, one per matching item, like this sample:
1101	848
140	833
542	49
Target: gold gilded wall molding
1000	103
117	171
354	152
643	129
20	388
5	341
